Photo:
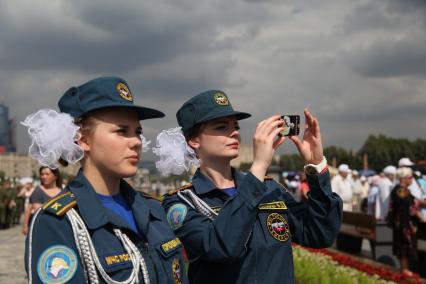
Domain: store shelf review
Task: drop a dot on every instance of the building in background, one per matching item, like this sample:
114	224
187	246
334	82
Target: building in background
13	165
7	131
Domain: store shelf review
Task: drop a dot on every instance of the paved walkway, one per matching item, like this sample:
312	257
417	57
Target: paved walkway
12	246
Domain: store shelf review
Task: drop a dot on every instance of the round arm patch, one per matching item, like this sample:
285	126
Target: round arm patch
176	215
57	264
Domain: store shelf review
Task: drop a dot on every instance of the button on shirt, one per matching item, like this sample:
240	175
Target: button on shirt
250	239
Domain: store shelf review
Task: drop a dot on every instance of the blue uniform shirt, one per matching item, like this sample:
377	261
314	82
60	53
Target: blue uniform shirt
250	239
118	204
55	257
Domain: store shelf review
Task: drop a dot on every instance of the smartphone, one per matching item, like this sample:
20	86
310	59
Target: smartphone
291	125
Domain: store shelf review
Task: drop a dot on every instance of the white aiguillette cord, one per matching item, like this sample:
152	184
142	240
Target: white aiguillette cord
91	259
197	203
88	253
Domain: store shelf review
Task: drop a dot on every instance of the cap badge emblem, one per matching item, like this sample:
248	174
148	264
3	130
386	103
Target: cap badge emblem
124	92
221	99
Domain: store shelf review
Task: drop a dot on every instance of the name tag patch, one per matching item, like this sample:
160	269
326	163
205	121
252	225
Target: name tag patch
273	206
172	245
116	259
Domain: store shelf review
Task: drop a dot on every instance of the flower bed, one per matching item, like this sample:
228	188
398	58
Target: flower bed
324	266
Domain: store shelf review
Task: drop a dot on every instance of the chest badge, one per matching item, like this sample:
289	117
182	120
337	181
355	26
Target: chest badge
278	227
177	271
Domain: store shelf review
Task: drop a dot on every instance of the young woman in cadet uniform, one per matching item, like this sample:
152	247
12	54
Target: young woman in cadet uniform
238	227
101	230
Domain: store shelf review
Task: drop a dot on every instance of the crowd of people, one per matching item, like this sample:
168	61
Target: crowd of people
12	202
368	193
372	194
396	196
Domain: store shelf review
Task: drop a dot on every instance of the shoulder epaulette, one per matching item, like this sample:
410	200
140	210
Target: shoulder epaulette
60	204
149	196
186	186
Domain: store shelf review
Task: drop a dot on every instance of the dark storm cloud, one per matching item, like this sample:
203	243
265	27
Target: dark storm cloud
370	16
407	5
101	37
392	38
97	38
269	56
411	7
390	58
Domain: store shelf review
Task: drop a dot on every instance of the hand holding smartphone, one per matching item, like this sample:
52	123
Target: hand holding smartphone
291	125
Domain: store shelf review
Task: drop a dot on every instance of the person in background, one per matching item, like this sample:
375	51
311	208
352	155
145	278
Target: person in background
304	186
50	186
421	181
404	216
11	204
365	187
356	190
3	204
26	190
341	184
372	195
364	194
386	184
422	184
414	187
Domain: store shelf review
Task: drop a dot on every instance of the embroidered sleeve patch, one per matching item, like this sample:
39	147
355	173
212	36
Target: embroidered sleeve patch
276	206
57	264
278	227
176	215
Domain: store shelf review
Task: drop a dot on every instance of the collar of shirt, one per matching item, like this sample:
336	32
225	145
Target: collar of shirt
202	184
95	215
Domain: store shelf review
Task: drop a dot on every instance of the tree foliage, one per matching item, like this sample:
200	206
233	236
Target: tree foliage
381	151
384	150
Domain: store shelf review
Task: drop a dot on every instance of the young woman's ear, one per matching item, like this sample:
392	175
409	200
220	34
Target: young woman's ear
83	142
194	143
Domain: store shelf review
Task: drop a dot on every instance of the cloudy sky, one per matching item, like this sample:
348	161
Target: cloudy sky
360	66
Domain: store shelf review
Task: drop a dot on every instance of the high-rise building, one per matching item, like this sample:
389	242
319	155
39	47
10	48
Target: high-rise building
7	131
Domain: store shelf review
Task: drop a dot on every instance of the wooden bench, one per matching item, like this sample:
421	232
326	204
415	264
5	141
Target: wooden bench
358	226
